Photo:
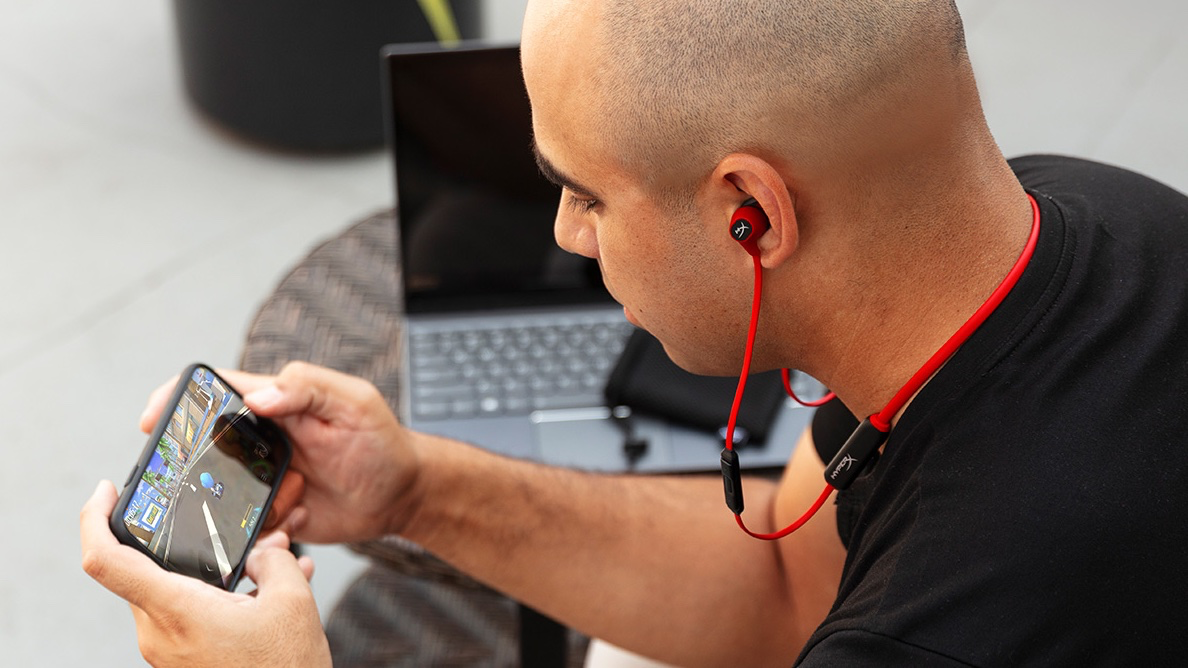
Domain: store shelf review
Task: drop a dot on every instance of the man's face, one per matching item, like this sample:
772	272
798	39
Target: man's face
677	274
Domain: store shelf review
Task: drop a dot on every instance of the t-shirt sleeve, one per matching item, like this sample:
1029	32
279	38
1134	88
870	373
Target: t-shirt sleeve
858	648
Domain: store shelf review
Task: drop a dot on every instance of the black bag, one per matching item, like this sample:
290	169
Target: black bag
648	382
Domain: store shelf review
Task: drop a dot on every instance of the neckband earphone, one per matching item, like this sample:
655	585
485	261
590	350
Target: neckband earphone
746	226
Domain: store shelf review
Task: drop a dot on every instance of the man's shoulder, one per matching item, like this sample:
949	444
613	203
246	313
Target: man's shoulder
1107	185
1144	220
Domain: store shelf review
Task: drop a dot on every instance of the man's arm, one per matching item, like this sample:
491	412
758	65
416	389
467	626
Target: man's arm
653	564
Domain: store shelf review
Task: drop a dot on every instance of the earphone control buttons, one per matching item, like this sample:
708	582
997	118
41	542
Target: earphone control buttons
732	481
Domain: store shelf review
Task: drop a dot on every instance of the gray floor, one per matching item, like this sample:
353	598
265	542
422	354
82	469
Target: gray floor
135	238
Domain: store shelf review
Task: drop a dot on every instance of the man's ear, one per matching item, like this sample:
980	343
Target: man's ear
740	176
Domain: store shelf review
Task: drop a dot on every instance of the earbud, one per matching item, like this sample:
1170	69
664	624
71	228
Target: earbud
748	224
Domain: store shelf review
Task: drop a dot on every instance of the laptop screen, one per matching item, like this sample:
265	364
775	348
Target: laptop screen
475	215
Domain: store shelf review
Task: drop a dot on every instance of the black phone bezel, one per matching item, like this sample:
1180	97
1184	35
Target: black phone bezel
267	428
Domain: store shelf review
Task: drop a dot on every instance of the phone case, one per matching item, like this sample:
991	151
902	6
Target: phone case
187	481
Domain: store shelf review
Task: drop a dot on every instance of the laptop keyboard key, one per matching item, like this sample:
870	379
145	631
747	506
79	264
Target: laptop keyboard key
518	405
430	410
465	408
446	393
436	376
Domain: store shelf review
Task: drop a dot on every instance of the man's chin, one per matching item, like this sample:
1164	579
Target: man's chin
699	363
700	366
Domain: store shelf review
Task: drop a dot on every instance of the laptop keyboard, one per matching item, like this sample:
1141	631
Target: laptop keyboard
513	370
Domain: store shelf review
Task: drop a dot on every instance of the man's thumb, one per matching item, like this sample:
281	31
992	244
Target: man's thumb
302	388
275	570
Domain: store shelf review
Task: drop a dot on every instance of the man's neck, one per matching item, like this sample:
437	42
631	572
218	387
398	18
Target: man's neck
910	274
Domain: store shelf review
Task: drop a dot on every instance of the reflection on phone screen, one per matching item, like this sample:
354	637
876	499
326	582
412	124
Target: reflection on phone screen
200	499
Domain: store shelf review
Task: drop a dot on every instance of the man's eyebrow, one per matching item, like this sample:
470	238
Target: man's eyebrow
556	176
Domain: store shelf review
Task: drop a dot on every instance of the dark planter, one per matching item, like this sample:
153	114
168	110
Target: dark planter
298	74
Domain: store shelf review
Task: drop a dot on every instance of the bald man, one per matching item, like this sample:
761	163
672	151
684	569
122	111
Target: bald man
1028	504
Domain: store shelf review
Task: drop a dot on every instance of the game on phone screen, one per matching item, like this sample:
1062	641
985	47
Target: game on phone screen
206	484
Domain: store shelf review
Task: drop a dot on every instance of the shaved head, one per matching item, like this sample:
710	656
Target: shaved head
678	84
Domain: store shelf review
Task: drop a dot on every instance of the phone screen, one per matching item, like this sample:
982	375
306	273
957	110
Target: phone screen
208	482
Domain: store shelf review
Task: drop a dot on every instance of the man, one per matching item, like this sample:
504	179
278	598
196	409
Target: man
1027	505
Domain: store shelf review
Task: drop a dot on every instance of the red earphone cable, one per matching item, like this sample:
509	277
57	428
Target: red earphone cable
738	395
882	419
808	515
750	349
786	374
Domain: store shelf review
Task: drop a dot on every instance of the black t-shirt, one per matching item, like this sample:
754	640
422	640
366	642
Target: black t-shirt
1031	505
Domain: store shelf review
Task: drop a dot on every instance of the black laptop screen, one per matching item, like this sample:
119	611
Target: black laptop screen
475	215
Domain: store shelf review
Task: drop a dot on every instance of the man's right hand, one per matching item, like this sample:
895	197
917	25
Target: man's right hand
354	468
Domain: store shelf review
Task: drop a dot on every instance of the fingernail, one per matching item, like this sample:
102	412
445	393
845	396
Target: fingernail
264	398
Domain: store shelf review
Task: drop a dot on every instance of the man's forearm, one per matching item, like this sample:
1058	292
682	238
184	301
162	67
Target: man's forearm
654	564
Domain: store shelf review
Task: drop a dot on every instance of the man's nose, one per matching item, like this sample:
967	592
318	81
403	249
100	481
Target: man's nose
575	233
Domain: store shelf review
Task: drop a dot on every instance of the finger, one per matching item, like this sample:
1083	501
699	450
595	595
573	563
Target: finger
156	404
306	564
242	381
276	571
307	567
292	523
291	490
276	539
98	509
302	388
125	572
245	382
279	540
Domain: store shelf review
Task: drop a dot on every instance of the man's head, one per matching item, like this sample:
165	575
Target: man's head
660	117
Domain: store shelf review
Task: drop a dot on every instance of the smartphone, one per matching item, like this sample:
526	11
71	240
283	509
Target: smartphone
197	498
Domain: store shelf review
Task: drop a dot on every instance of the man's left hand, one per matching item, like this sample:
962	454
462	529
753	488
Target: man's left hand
183	621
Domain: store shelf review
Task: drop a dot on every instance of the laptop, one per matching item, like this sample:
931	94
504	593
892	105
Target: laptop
509	340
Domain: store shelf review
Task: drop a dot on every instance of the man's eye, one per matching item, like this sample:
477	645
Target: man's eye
580	204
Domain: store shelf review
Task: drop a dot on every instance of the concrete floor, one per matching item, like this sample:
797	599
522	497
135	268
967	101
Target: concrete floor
135	237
